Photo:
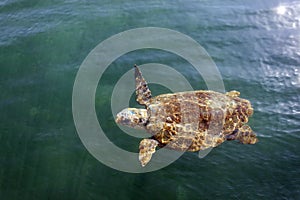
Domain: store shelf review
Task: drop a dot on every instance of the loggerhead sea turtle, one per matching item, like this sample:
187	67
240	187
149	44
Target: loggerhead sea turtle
187	121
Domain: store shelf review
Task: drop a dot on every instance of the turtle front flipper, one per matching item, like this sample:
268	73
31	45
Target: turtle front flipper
244	134
147	148
143	94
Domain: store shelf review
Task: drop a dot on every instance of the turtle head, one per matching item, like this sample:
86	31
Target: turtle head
132	117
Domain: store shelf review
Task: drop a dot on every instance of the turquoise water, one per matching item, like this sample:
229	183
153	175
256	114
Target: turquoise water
255	44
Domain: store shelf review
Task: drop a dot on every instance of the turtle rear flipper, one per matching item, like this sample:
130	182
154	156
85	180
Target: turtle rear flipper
143	93
147	148
244	134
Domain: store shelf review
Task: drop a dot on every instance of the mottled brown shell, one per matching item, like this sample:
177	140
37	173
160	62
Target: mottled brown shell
196	120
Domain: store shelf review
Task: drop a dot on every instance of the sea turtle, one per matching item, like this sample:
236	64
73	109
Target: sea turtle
187	121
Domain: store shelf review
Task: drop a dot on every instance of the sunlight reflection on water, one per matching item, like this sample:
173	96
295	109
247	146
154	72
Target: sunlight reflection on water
288	15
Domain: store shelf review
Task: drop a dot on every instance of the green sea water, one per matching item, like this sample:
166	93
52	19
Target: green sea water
255	44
